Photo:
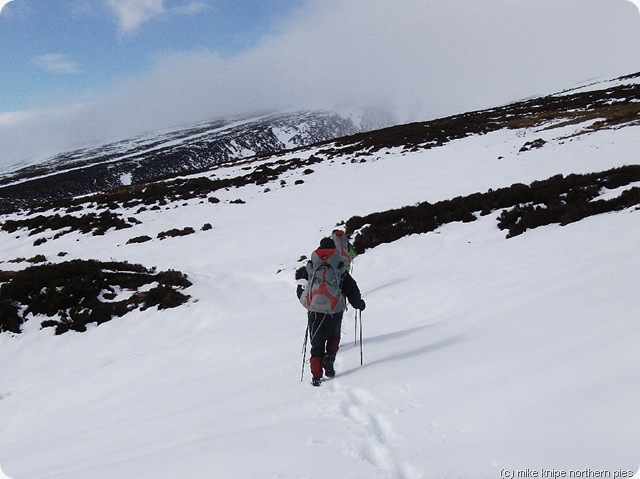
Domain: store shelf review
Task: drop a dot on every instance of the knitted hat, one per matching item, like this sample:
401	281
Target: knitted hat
327	243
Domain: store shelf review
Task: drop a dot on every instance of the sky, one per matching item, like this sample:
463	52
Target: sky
83	72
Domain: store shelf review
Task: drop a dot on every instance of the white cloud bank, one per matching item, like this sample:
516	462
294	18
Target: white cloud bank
423	59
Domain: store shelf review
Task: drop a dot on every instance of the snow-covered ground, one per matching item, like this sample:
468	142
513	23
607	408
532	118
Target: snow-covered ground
483	357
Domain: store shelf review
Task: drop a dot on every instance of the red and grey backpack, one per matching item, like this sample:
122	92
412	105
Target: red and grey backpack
323	290
344	247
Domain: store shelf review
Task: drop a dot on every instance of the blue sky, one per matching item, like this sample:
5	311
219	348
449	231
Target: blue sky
83	72
54	50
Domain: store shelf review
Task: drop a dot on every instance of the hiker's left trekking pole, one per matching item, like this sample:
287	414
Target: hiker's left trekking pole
361	360
304	352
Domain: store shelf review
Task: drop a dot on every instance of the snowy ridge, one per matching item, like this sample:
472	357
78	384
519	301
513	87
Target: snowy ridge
170	153
601	84
484	357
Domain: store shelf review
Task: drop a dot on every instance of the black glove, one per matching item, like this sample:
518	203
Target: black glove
361	305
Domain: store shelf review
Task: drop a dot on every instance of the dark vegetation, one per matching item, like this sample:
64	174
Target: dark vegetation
610	108
174	232
145	196
151	159
557	200
139	239
98	224
164	192
77	293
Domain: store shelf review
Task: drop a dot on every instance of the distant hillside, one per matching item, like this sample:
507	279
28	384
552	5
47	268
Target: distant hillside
172	154
169	154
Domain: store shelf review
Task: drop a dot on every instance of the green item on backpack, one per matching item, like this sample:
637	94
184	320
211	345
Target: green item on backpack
344	247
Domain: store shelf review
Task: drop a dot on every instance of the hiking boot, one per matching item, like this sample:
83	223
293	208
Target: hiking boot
316	381
327	364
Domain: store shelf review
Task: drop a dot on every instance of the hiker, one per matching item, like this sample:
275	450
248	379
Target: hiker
326	285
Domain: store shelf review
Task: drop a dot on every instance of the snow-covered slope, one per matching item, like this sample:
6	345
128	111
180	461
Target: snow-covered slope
484	357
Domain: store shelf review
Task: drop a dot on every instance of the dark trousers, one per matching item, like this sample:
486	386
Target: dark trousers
324	331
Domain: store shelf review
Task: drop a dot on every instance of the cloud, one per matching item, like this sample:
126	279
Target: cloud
56	63
191	8
132	13
421	59
15	118
33	135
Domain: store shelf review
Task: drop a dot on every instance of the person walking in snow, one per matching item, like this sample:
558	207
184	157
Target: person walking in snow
323	286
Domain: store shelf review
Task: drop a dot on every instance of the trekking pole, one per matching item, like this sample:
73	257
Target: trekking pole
304	352
355	328
361	360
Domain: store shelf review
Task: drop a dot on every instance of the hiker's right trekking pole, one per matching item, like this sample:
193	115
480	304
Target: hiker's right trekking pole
360	314
304	352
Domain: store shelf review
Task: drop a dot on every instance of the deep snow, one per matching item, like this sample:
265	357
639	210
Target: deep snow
483	356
